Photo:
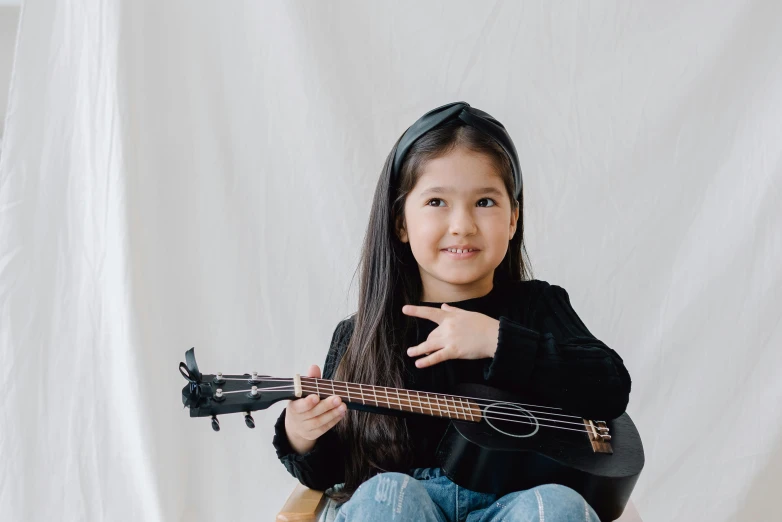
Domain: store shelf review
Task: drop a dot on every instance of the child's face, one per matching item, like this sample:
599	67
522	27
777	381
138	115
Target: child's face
460	214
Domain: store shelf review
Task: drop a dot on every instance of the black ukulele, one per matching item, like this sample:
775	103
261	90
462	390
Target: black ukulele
493	444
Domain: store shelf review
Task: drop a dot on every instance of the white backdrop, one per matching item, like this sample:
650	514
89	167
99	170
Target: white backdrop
180	174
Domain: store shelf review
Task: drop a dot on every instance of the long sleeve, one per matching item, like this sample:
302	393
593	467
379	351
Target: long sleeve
560	360
324	465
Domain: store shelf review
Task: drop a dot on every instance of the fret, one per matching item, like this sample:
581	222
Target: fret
317	390
374	393
447	408
361	391
464	412
410	400
332	388
420	404
347	390
429	400
472	415
398	398
438	405
388	399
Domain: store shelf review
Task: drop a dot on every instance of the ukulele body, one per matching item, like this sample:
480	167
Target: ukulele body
499	457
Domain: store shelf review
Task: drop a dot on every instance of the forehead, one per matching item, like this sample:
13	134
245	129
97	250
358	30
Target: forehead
461	170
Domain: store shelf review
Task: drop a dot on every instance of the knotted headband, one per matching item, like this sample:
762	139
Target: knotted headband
469	115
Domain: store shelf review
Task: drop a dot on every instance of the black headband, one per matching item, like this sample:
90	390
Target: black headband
469	115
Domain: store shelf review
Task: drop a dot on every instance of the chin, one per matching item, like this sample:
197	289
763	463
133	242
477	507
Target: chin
460	279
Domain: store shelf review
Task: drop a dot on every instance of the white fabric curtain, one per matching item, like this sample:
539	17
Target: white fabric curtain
179	174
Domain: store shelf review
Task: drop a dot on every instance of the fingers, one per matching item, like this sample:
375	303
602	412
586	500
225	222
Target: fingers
312	406
437	357
425	347
322	407
324	422
303	405
312	417
425	312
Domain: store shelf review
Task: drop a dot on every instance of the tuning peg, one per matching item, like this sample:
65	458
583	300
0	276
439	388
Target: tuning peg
248	419
215	423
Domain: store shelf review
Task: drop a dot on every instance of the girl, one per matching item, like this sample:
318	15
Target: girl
445	297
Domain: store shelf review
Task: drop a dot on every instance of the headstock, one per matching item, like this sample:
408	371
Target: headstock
209	395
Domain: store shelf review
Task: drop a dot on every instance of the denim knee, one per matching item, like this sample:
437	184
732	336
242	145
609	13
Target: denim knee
387	496
563	503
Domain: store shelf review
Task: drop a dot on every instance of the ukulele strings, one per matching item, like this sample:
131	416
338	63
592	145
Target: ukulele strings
464	409
455	406
346	387
483	415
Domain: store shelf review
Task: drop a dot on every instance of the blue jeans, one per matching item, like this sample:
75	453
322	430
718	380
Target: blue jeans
427	495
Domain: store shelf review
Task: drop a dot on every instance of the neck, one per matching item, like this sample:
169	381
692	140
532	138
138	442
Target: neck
436	291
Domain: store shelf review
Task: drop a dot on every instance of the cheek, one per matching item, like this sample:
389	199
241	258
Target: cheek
498	239
425	234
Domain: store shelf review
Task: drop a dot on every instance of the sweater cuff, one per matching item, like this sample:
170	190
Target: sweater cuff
514	360
288	455
282	444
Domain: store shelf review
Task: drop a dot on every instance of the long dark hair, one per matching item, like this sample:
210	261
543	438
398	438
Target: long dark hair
389	280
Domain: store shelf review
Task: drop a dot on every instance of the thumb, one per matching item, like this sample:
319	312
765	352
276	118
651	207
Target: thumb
314	371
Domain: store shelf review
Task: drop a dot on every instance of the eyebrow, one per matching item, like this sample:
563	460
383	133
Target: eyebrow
444	190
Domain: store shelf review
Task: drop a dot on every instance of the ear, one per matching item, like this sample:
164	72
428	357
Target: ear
401	232
514	219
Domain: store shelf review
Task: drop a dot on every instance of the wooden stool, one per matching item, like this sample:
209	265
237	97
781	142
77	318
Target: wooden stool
305	505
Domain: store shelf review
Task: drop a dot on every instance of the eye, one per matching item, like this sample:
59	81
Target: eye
433	199
488	199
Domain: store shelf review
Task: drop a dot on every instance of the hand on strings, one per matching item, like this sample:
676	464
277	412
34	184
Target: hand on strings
308	418
461	334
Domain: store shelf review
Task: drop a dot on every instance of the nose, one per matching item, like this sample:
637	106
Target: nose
462	223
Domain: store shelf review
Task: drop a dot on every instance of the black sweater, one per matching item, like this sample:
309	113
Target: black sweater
544	352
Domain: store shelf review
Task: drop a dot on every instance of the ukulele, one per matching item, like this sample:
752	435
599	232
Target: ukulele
493	443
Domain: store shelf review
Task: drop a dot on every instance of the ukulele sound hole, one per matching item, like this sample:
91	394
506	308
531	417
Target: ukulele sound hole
511	419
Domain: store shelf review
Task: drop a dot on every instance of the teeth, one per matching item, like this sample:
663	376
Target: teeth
459	251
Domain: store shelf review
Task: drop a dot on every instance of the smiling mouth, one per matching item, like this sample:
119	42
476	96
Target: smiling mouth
463	255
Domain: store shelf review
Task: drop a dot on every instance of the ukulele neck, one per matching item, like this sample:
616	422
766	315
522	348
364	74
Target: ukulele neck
399	399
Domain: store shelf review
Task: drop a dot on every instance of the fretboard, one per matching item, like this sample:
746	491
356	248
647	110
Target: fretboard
413	401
